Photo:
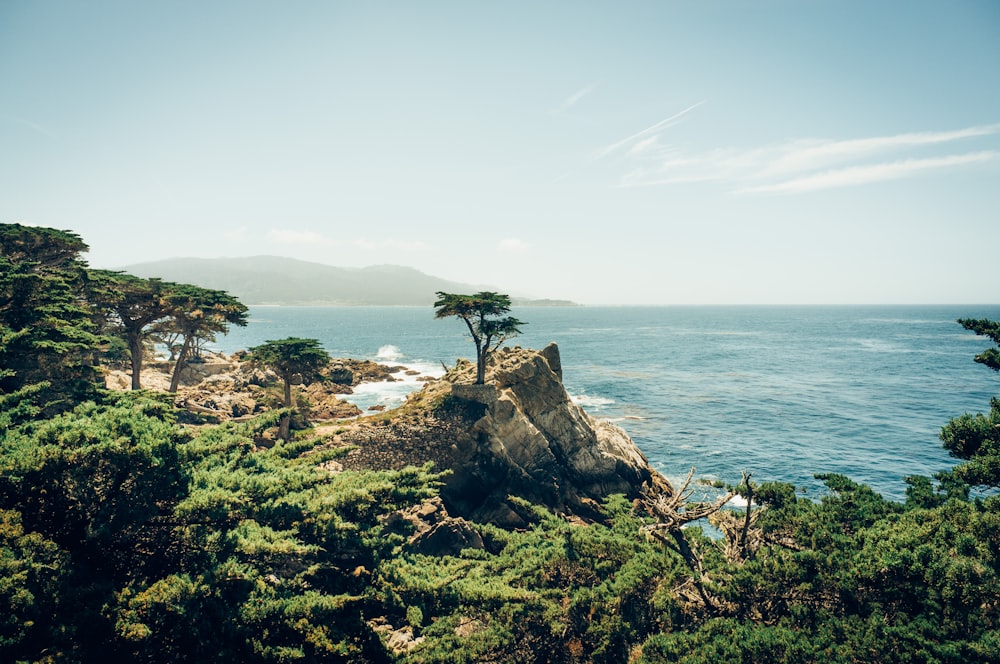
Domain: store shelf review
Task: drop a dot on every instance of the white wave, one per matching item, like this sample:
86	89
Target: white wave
389	353
880	346
391	393
588	401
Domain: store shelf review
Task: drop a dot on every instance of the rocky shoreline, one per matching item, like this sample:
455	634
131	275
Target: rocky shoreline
519	435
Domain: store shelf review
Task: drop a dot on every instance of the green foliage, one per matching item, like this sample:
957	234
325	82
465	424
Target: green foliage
198	314
983	327
292	359
94	479
557	592
128	305
483	314
32	569
124	537
922	493
852	578
46	332
976	438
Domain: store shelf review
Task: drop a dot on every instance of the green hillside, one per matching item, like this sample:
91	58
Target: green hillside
276	280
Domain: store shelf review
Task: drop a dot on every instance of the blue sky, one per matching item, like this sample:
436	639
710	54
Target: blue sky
610	153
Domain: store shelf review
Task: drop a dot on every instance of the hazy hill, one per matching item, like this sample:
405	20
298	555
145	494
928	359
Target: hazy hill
277	280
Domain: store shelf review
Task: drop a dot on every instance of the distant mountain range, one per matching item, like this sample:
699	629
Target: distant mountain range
287	281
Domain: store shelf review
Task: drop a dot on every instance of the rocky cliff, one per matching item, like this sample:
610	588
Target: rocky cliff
531	440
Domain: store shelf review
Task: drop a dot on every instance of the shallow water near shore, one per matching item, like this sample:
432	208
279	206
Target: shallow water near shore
783	391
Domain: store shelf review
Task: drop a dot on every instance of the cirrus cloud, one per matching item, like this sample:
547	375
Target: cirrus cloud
802	165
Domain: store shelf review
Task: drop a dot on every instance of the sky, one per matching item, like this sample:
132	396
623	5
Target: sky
740	152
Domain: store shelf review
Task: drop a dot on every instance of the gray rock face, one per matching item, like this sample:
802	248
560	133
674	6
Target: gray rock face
532	441
435	532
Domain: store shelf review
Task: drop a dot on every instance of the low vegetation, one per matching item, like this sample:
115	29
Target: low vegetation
126	536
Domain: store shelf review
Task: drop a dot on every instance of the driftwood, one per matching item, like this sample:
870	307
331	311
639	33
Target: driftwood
743	537
196	408
673	511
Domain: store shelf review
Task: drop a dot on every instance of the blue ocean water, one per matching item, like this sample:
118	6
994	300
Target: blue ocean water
784	392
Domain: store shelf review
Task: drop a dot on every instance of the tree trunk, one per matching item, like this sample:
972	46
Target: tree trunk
175	377
135	350
481	359
285	426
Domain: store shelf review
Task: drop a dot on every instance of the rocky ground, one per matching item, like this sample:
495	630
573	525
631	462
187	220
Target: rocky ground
226	388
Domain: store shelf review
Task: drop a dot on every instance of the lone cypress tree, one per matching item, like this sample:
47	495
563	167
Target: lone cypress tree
483	313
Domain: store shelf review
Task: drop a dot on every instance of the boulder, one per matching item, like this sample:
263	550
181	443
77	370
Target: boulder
434	531
325	404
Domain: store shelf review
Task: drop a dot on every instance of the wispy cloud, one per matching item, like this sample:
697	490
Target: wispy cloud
571	100
513	245
845	177
805	165
645	134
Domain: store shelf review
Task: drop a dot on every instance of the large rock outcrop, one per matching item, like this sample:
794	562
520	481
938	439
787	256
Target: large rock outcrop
527	438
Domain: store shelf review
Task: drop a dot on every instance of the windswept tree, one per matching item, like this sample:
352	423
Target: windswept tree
46	330
483	313
197	313
294	360
134	303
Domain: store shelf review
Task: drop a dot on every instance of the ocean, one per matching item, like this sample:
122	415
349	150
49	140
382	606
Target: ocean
784	392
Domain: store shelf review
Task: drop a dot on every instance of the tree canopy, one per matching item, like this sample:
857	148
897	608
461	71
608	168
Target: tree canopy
483	315
294	360
46	330
976	438
197	313
988	328
134	303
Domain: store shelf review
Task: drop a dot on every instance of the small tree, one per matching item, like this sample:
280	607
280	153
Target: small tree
198	313
483	314
133	304
291	359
